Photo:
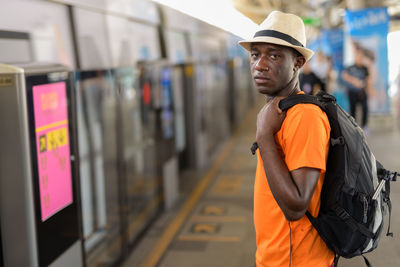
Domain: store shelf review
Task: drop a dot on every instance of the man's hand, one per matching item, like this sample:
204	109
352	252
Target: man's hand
359	84
294	189
354	81
269	119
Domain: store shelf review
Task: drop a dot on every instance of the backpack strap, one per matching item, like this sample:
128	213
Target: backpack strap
389	177
353	224
254	148
290	101
350	222
366	261
386	199
336	260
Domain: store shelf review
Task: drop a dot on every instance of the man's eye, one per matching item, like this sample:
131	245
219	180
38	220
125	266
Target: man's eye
275	56
254	54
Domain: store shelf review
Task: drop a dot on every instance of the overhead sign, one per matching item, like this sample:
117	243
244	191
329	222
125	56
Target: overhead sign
52	144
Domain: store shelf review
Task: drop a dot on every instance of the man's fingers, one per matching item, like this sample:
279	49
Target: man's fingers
276	103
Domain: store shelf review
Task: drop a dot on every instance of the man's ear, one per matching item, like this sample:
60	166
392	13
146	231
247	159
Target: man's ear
299	62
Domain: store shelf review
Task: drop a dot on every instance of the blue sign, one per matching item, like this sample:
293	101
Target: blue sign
332	45
366	30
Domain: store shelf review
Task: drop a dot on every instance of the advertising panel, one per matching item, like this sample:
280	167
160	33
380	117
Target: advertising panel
53	149
332	45
366	34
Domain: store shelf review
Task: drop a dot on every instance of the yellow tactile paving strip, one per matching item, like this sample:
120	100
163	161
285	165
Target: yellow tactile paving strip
212	224
223	179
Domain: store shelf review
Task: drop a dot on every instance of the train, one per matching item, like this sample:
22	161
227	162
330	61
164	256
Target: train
148	92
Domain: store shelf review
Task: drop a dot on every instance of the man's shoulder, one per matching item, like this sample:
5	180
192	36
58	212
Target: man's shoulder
306	114
305	110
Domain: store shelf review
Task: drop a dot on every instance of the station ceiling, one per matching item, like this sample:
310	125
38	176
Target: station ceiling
324	13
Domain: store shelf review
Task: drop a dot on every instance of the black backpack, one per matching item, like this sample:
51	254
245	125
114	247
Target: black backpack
356	185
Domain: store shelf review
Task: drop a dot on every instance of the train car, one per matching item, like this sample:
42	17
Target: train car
155	93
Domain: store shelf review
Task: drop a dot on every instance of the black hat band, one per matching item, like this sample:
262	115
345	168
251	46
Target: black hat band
279	35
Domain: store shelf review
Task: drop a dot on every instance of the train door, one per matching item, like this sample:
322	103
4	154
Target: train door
192	123
137	166
96	105
164	135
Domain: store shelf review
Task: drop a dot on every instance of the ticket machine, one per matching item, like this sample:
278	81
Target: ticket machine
38	168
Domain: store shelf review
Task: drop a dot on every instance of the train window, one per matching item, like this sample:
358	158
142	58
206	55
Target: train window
131	42
48	26
15	46
92	39
145	11
176	45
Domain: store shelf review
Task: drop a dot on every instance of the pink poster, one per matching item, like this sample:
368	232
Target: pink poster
52	143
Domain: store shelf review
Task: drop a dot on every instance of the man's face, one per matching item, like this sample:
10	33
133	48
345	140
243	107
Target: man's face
272	68
358	58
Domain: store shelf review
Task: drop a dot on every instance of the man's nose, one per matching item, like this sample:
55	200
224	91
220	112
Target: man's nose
261	64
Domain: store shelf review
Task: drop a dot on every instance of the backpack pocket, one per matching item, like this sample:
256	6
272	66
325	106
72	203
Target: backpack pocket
357	223
347	228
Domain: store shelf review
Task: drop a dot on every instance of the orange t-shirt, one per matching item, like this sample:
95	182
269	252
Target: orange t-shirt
304	142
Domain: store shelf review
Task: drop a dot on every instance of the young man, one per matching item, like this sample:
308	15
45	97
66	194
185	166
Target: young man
293	149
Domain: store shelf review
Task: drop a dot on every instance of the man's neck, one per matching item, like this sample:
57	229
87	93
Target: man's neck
290	92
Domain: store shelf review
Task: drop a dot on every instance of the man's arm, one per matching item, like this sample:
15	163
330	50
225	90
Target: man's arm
354	81
369	81
292	190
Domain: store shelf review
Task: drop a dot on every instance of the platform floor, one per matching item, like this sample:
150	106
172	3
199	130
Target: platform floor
212	225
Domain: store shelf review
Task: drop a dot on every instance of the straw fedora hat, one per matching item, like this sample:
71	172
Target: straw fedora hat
281	29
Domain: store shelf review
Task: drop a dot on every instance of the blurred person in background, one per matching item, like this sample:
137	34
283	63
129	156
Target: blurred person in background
369	62
332	82
357	80
292	149
309	82
321	67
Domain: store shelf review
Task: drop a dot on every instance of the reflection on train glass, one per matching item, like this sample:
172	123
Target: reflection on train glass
151	85
97	133
166	104
139	180
179	109
120	176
